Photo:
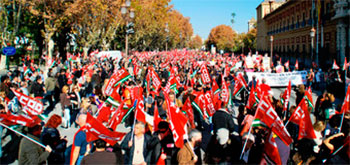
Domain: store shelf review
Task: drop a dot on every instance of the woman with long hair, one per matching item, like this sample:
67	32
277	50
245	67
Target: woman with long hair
66	106
51	136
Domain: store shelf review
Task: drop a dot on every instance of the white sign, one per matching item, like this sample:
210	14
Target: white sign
280	79
116	54
266	62
249	62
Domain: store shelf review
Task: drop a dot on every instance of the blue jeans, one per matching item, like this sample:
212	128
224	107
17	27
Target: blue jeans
80	158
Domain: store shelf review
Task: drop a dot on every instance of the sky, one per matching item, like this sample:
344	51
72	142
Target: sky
206	14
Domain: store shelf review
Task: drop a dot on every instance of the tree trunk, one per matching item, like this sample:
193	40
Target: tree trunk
51	46
86	50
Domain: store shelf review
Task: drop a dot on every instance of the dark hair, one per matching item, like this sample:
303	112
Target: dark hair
163	125
306	148
34	128
100	143
3	78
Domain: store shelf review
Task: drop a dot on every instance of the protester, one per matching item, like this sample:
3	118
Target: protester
136	144
175	111
51	136
65	106
187	155
31	153
100	156
80	146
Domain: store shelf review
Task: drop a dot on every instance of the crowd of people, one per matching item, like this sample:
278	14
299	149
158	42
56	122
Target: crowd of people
80	87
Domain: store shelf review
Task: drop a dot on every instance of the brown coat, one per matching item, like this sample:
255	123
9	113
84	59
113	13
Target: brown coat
185	155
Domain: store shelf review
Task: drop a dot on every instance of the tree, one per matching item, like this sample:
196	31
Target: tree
150	22
245	42
180	30
223	37
233	15
96	22
10	15
196	42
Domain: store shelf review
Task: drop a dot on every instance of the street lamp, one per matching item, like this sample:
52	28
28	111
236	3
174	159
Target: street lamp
312	35
167	37
128	14
271	40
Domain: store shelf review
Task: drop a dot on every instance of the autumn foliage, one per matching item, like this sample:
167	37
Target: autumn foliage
222	37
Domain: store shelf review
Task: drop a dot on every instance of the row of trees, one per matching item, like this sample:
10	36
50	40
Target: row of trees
223	37
89	24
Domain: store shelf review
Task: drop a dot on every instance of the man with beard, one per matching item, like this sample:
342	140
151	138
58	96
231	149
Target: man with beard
186	155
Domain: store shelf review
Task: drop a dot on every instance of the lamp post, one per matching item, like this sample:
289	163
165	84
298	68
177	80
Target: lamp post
271	49
167	37
312	35
128	14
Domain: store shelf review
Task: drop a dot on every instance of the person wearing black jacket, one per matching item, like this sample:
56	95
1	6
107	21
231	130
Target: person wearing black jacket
222	119
163	144
38	88
136	147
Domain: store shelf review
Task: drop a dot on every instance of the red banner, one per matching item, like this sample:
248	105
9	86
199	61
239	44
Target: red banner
30	105
21	119
96	130
205	74
155	80
267	115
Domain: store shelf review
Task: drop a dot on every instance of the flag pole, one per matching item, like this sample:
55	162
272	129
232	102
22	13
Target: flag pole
19	133
246	140
133	125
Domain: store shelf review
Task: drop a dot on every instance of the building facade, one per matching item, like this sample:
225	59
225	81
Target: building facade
251	24
290	23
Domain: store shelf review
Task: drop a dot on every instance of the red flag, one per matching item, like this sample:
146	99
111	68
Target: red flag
189	112
240	85
286	96
271	150
30	105
225	93
177	122
335	66
252	101
161	161
296	64
215	88
286	64
156	118
155	80
21	119
96	130
345	66
265	115
301	117
140	113
346	104
226	71
205	74
117	78
136	69
308	96
104	113
117	117
209	103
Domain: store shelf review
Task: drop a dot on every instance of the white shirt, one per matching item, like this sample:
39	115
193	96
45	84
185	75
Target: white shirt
138	150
